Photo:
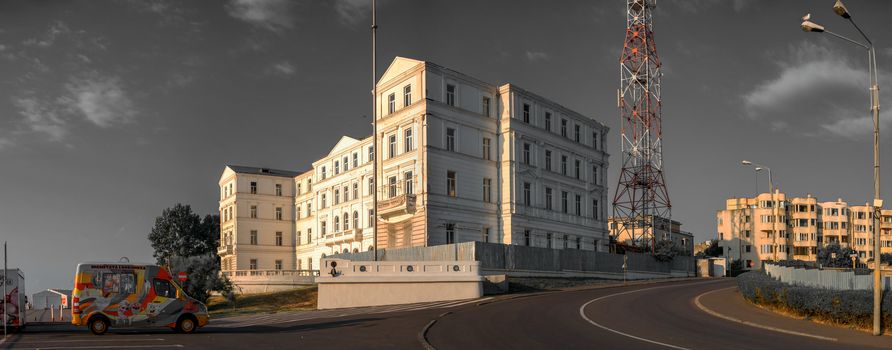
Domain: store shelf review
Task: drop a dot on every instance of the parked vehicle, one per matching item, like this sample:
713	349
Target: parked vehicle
132	295
15	298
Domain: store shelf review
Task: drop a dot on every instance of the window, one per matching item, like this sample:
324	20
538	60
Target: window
450	183
548	160
253	264
407	95
323	228
486	234
371	217
527	187
564	165
253	237
164	289
346	193
526	153
121	283
298	240
309	208
253	211
337	196
371	185
450	233
485	106
355	159
253	187
577	163
391	145
595	139
595	178
371	153
548	199
391	187
576	130
279	213
450	139
547	121
564	127
337	167
309	263
356	190
548	238
356	218
278	264
279	190
408	145
309	235
450	94
578	242
279	238
487	147
407	178
526	113
391	103
298	188
578	205
324	203
526	238
346	221
323	174
564	195
566	241
487	190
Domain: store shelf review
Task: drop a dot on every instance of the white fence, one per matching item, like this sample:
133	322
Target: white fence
827	279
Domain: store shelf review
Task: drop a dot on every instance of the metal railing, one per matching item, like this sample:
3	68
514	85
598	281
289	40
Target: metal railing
243	273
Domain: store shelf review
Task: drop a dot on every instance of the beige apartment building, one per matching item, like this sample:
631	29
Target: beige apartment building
771	227
459	160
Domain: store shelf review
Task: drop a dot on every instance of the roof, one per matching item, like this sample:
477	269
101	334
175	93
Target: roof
65	292
263	171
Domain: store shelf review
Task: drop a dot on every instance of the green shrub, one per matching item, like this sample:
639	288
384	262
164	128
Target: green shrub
849	307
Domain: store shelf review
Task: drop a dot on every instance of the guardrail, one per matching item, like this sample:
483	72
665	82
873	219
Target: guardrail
827	279
250	273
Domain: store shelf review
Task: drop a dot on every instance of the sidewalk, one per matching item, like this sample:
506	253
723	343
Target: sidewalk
729	303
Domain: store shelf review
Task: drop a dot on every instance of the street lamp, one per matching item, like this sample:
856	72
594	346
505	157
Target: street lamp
807	25
775	205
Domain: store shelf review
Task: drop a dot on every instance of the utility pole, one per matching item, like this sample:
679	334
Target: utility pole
5	283
375	129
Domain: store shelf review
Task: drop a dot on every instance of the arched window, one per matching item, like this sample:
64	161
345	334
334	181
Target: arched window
337	224
346	250
346	221
356	219
356	250
371	248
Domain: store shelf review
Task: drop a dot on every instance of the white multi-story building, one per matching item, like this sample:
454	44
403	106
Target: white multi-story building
460	160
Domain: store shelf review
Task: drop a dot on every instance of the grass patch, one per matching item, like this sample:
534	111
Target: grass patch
290	300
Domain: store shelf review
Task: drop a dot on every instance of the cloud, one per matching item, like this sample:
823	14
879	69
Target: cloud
536	56
351	12
100	99
56	29
817	92
168	10
285	68
274	15
40	117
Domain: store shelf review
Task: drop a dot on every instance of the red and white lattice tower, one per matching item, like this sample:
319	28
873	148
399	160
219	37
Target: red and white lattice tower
641	198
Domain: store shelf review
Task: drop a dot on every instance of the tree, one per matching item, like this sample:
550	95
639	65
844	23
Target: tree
712	250
665	250
203	275
842	256
180	232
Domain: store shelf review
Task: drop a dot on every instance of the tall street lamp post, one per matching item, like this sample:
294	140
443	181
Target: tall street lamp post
809	26
775	204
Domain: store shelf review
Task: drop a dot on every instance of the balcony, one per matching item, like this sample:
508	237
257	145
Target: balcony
398	205
354	235
225	250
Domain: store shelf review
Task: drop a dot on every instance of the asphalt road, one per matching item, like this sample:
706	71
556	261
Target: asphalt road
646	316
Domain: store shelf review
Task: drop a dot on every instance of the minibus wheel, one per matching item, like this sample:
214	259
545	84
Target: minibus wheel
98	325
186	324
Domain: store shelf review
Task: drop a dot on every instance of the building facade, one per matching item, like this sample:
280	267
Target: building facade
771	227
458	160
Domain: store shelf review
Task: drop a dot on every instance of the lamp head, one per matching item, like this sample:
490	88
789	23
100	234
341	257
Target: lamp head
758	168
810	26
841	10
746	162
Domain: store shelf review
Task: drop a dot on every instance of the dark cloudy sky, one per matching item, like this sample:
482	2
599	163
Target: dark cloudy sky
111	111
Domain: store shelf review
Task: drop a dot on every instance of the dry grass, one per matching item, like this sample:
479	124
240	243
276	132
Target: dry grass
291	300
862	326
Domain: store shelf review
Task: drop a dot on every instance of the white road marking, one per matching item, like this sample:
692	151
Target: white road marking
86	340
596	324
469	302
752	324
